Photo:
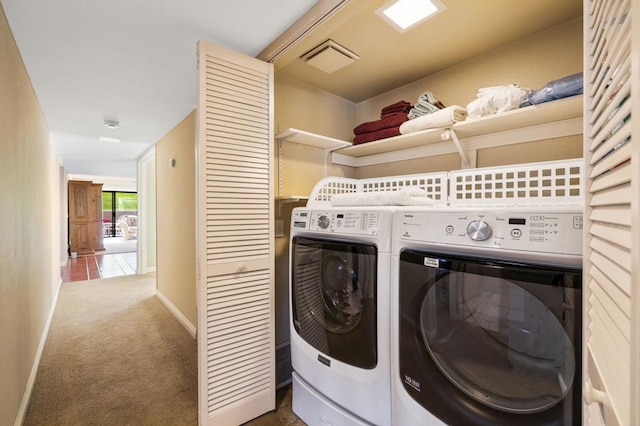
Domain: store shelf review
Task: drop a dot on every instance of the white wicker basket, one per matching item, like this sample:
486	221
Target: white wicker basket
435	185
547	183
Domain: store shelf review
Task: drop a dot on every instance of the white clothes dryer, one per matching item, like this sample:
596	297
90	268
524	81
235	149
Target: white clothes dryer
486	316
339	315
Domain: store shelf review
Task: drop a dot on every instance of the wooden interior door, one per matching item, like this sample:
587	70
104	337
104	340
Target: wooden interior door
236	326
80	220
85	217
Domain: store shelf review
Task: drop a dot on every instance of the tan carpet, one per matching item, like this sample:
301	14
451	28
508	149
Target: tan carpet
115	356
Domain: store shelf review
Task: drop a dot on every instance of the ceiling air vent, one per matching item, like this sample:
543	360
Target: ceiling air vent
329	57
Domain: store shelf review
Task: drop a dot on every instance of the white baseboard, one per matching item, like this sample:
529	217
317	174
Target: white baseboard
176	313
26	397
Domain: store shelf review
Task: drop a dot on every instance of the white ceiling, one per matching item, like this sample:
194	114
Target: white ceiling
132	60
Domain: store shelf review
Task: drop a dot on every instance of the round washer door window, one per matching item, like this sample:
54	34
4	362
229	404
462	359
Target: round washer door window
497	342
341	294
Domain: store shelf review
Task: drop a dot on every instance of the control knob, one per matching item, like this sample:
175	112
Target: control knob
324	221
478	230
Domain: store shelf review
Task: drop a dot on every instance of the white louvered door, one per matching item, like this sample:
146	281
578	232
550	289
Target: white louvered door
612	213
236	343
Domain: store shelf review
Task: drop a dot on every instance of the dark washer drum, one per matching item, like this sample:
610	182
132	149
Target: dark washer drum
486	342
333	296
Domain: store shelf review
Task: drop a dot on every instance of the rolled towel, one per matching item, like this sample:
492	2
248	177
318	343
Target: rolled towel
441	118
564	87
410	196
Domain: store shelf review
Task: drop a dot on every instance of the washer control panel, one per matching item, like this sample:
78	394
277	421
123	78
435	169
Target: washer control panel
344	222
552	232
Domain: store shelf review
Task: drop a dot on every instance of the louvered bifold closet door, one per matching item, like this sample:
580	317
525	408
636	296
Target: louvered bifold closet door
611	254
235	237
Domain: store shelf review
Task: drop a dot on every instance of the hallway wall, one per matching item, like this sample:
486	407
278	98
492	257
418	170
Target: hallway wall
30	229
176	219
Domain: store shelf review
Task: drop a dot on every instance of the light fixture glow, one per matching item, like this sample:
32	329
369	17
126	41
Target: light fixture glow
403	14
108	139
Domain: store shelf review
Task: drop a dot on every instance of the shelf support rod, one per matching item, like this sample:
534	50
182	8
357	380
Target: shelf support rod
451	134
279	167
327	152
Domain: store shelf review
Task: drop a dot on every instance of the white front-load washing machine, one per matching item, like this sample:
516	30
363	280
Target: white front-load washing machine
339	315
486	316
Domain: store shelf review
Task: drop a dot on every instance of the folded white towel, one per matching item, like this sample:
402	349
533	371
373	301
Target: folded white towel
401	197
441	118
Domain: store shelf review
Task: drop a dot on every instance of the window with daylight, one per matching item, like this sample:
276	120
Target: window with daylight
115	206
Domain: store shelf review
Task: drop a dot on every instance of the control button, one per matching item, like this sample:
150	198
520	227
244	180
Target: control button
324	221
339	223
516	233
536	239
478	230
537	225
449	229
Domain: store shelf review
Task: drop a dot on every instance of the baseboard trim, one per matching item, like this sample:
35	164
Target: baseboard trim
26	397
176	313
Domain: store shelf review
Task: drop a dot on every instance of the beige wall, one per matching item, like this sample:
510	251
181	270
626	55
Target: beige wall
29	227
530	63
301	106
176	218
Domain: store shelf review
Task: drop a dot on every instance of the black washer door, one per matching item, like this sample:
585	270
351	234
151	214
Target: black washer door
499	342
333	289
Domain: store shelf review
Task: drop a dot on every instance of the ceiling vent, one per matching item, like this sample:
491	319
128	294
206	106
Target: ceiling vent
329	57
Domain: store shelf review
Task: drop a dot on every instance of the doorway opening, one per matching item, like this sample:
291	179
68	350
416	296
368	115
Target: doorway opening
120	214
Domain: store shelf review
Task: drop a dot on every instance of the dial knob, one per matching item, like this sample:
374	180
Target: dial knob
324	221
478	230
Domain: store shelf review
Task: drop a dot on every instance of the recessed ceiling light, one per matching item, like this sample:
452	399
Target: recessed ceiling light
108	139
404	14
111	123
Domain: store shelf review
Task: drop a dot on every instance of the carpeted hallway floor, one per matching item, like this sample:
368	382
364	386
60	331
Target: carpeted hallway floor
115	356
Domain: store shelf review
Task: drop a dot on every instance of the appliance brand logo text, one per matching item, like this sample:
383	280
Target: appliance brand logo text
431	262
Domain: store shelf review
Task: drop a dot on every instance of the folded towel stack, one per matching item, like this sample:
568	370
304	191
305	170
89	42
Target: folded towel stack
441	118
399	107
391	117
426	104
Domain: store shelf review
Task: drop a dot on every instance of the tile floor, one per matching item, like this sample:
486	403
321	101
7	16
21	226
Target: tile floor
282	416
94	267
